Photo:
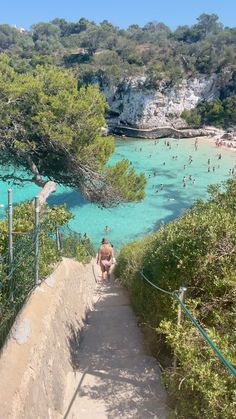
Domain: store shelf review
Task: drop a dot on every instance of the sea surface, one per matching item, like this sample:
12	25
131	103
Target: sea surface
163	165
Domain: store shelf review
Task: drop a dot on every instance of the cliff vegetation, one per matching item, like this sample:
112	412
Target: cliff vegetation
105	54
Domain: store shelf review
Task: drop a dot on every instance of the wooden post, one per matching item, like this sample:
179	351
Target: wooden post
182	291
10	242
58	239
10	228
36	255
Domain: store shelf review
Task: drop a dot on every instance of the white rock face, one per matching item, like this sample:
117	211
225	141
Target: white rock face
142	108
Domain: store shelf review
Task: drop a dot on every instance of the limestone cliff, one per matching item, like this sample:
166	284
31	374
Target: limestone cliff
134	105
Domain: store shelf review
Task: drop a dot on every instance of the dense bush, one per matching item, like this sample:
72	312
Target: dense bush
197	250
204	47
75	246
104	54
220	113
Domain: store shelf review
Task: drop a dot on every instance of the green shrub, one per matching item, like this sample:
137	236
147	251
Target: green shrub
220	113
197	250
74	246
16	284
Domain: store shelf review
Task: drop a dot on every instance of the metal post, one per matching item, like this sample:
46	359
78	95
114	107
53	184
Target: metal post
36	226
58	239
182	291
10	228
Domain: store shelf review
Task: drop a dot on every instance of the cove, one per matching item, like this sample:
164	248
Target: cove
162	203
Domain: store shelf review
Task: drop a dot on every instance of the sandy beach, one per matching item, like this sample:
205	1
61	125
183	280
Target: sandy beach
223	146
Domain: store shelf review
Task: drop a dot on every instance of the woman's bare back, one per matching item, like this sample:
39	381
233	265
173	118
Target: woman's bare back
105	251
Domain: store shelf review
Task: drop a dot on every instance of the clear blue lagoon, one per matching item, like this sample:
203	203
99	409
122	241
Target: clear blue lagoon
129	221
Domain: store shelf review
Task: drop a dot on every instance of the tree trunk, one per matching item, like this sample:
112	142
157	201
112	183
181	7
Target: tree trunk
48	188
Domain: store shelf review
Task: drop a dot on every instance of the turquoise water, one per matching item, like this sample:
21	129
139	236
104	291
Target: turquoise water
132	220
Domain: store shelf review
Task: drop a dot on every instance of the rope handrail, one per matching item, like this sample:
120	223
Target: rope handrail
217	351
155	286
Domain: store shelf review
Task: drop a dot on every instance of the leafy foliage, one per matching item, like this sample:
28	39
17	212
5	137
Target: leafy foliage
18	280
220	113
105	54
205	47
199	251
134	189
75	246
50	128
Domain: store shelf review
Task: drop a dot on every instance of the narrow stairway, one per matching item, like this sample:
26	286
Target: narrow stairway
116	377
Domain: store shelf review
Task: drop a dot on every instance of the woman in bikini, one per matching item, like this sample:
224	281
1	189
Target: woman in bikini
104	257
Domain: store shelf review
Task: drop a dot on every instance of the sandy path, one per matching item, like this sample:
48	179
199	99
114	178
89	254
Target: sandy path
116	377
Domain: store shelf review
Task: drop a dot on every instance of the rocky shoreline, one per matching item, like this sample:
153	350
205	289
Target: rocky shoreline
163	132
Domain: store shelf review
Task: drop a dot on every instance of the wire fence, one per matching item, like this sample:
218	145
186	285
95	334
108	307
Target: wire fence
75	245
17	274
16	280
175	294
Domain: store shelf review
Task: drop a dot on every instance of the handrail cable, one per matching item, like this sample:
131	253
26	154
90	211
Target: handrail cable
195	322
155	286
205	335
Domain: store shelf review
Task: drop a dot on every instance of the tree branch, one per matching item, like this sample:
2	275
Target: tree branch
16	178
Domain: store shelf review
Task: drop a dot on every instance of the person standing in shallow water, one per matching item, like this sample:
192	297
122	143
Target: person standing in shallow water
104	258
